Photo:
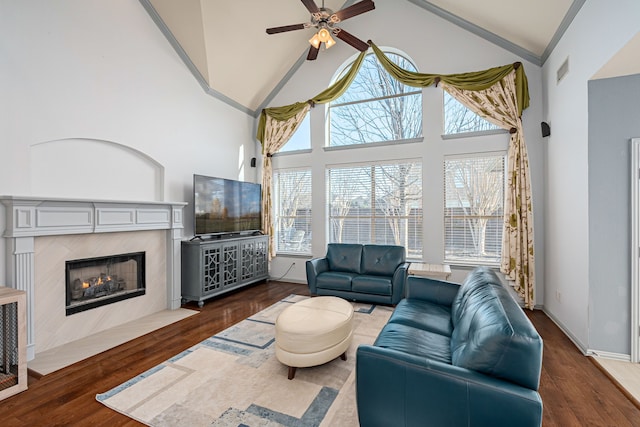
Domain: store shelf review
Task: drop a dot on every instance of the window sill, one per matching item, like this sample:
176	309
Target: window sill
294	255
373	144
474	134
472	264
286	153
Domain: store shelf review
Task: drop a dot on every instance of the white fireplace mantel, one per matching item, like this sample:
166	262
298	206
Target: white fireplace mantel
29	217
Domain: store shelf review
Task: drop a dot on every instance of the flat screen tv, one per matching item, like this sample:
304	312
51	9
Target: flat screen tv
226	206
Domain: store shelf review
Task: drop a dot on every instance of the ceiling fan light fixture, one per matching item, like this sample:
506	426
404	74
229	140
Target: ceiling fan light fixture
324	35
330	42
324	20
315	41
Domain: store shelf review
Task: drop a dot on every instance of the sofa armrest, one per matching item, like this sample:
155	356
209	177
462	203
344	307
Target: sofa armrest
398	282
432	290
392	386
314	267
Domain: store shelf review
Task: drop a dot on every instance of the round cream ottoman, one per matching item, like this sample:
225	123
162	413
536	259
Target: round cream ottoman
313	331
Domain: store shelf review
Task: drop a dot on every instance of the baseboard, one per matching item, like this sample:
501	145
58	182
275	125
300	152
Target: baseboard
574	339
284	279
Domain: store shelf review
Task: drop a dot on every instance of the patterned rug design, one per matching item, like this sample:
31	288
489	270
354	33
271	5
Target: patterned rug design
234	379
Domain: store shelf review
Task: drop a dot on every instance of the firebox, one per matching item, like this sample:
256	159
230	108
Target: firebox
94	282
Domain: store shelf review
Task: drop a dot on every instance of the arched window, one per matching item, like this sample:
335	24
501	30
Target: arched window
376	107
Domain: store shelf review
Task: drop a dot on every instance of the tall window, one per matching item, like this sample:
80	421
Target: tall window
292	205
459	119
474	200
380	203
376	107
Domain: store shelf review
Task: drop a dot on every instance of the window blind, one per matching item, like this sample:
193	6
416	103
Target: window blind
378	203
474	201
292	192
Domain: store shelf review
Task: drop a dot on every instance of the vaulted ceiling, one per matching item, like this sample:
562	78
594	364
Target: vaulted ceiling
225	46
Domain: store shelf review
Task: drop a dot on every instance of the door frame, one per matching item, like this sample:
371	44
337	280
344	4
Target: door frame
635	250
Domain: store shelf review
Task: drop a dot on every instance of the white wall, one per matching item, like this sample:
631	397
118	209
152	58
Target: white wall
102	70
599	30
435	46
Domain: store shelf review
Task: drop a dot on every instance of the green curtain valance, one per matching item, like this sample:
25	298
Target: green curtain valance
331	93
476	80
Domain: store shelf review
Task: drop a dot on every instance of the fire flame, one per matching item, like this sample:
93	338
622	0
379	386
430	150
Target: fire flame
98	282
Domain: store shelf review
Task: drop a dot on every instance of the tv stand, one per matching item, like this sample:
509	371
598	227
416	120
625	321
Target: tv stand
214	267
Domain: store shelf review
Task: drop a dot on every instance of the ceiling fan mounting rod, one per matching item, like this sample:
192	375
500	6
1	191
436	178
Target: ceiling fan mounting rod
325	16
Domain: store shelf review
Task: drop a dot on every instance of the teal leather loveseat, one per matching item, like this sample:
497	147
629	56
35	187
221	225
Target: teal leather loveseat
370	273
452	355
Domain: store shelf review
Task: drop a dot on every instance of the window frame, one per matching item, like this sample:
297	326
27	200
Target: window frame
304	246
471	260
334	104
305	125
414	252
494	129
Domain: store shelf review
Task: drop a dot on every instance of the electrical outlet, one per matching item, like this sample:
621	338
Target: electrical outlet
558	296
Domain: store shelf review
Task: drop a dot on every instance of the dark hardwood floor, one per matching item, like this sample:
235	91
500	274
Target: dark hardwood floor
574	391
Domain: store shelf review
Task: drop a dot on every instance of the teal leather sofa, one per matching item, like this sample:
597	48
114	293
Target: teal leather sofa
370	273
452	355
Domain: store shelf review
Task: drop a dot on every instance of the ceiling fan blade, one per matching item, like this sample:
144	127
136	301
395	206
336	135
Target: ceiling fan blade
313	53
353	10
285	28
311	6
352	40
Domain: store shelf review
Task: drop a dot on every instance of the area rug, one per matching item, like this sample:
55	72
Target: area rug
234	379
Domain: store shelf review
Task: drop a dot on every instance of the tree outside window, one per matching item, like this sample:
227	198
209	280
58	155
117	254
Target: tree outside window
376	107
474	201
459	119
292	193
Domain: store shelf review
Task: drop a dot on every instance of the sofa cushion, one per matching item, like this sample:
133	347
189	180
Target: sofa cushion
423	315
381	260
495	337
415	341
336	280
478	278
377	285
344	257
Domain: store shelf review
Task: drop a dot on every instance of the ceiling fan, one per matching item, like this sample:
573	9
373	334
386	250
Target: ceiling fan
324	20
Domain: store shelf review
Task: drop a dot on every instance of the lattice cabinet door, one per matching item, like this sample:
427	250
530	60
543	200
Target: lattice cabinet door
261	257
13	342
247	262
230	260
211	257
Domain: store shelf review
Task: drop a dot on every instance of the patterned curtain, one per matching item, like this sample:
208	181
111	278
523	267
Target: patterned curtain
276	135
499	105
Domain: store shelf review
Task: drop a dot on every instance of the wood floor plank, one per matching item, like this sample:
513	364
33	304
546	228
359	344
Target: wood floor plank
574	391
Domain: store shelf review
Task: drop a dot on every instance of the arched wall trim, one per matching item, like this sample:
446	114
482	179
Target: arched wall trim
96	168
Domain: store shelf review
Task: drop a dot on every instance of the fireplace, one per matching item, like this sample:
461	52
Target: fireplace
94	282
42	234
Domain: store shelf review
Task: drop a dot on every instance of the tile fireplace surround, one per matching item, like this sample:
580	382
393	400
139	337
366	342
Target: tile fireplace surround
38	231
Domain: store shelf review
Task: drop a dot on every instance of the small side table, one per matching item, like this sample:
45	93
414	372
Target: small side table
434	271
